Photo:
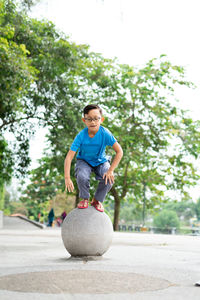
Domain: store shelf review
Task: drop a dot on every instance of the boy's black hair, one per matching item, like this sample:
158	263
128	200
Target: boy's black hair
90	107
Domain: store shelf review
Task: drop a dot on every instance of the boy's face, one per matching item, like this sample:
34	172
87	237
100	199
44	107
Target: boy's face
93	120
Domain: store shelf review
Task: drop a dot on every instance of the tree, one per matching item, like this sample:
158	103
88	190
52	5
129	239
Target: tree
45	191
16	75
39	79
185	209
44	77
197	209
158	139
39	84
166	219
6	165
41	190
130	212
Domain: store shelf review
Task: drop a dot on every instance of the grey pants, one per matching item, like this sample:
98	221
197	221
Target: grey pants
83	171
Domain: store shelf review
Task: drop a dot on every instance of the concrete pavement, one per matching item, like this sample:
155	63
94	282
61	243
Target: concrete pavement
35	265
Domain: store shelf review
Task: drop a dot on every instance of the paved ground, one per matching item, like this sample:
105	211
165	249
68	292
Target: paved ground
35	265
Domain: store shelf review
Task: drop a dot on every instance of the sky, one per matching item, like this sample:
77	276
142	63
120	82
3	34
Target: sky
134	31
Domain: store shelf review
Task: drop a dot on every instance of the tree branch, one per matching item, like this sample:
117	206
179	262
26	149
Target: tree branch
6	123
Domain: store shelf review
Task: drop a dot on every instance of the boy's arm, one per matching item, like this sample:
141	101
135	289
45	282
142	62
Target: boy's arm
109	175
67	166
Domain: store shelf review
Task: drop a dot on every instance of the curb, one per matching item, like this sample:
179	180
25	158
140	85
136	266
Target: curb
40	225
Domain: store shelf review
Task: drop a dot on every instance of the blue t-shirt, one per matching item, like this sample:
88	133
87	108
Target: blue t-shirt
92	150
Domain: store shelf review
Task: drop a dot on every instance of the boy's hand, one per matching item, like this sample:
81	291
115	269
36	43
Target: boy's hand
69	185
109	176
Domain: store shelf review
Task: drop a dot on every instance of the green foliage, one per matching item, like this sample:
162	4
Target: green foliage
46	77
63	202
1	196
37	80
15	207
166	219
37	195
27	4
16	76
157	140
197	209
127	214
184	209
45	191
131	214
6	161
9	205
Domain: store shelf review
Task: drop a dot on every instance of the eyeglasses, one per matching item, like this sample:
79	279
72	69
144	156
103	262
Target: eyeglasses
90	119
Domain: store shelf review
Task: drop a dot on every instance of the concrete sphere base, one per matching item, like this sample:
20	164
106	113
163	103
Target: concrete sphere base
87	232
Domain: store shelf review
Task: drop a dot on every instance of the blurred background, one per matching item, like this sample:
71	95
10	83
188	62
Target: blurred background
139	60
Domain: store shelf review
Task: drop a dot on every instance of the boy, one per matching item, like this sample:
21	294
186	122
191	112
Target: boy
91	143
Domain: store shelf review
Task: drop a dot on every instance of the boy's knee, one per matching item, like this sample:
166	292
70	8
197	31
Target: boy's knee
82	177
109	185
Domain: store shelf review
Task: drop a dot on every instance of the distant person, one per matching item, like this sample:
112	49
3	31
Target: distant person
91	143
63	216
59	221
50	218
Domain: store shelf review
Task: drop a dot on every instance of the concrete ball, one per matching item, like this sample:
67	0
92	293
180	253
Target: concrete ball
87	232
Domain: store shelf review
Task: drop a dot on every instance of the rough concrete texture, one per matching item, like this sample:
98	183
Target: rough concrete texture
18	223
34	264
87	232
58	282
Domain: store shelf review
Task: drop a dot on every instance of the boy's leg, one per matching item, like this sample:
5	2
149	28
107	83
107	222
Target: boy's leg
82	173
102	188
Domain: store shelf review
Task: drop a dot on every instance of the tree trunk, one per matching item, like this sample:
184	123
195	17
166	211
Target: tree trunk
144	204
117	208
2	196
